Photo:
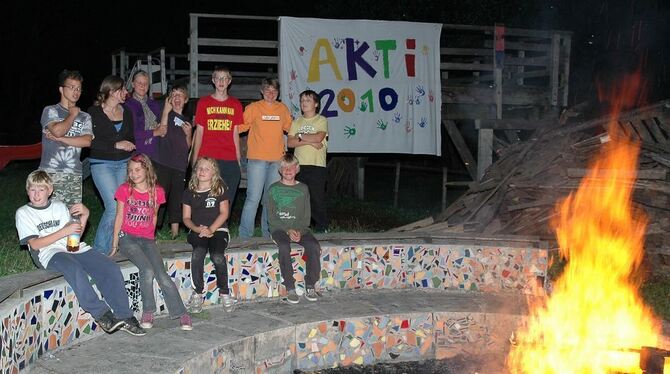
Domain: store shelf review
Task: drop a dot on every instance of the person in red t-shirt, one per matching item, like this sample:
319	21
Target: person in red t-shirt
217	118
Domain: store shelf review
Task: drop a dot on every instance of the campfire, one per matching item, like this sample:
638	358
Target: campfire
594	320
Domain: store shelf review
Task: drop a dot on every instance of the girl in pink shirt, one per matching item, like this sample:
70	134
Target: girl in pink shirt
137	202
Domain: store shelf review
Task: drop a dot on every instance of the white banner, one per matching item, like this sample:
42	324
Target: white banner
379	81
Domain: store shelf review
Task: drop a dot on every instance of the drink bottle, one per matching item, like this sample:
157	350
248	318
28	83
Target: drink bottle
73	239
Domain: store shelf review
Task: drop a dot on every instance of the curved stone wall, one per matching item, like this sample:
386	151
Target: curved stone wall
47	316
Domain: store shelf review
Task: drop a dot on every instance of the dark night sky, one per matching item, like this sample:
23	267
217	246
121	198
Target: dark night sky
40	38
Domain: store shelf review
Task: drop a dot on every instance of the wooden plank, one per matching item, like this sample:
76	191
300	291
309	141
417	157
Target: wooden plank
642	131
484	151
241	43
565	81
236	17
517	95
527	61
515	124
555	66
210	57
461	147
524	46
652	125
193	53
466	51
649	174
465	66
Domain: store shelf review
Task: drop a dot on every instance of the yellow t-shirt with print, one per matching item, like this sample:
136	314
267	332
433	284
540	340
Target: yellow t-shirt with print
306	154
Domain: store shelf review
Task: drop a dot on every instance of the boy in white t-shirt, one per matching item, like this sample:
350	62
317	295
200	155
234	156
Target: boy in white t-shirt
44	225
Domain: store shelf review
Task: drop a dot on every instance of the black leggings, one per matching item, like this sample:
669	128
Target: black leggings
216	245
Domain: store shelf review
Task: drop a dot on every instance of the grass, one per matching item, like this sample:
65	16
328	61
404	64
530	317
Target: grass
346	214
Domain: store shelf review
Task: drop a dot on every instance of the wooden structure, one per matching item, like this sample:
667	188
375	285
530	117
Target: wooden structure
518	194
495	80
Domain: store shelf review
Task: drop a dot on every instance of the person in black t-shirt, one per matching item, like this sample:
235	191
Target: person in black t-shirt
205	210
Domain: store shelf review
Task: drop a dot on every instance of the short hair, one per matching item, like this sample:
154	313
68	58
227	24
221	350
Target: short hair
313	95
140	73
180	87
69	74
270	82
221	69
288	160
39	178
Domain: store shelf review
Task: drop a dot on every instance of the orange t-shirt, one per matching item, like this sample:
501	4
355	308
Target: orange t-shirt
266	124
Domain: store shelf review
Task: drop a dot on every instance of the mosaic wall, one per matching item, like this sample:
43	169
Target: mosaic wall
51	318
363	341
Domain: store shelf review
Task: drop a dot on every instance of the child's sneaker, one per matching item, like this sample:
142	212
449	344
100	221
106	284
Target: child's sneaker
194	302
147	320
292	297
132	327
185	322
228	302
311	294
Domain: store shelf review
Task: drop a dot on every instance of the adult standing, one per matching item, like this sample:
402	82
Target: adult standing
266	120
112	145
65	131
217	121
146	116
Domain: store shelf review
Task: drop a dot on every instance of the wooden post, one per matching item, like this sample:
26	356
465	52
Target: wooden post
520	68
113	65
484	149
565	82
151	75
555	54
163	82
173	65
193	57
498	60
124	64
444	188
360	179
396	185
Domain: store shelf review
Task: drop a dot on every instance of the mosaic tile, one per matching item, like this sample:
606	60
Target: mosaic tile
383	267
259	275
337	271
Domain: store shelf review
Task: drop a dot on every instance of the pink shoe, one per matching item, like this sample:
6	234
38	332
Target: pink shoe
147	320
185	322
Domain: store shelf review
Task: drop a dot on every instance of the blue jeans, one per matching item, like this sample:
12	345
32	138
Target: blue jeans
107	276
260	175
145	255
107	176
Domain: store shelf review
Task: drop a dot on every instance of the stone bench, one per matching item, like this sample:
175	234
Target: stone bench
41	318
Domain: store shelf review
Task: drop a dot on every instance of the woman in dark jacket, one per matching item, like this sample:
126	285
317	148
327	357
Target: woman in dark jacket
112	145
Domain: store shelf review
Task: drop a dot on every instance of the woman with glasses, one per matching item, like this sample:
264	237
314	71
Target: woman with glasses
112	145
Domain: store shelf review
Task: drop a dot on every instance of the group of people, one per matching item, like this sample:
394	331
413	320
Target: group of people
140	153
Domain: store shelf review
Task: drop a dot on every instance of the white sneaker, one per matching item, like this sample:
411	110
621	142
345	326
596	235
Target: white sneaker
228	302
194	302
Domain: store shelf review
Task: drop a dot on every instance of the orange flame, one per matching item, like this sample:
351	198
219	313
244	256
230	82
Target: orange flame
594	319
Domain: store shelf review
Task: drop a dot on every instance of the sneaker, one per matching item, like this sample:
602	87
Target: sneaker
147	320
311	294
292	297
228	302
108	323
132	327
185	322
194	303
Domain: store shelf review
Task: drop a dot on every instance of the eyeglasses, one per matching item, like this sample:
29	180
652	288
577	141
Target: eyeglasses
221	79
74	88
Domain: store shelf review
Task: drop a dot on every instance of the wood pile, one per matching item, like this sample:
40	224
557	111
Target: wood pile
519	192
